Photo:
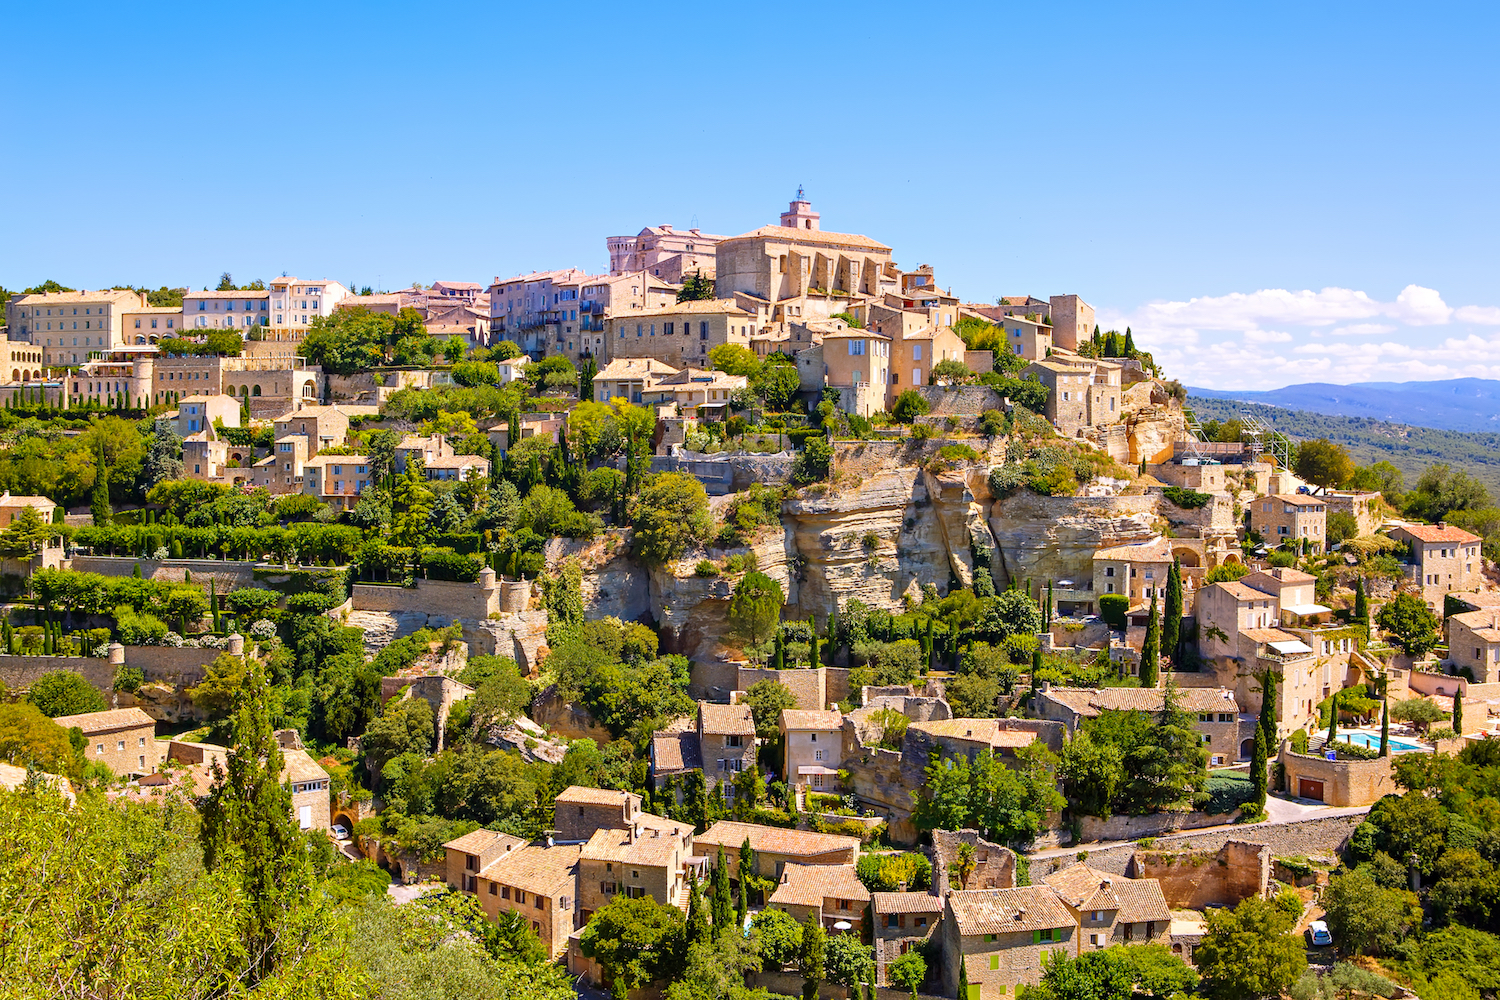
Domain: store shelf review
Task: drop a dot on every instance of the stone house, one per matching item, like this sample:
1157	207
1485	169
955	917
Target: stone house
123	739
903	921
855	358
1026	338
337	480
1474	642
1443	559
647	858
198	413
467	856
701	394
630	379
1111	909
1357	504
1138	570
1001	937
1295	593
969	737
1285	518
775	847
721	744
831	893
812	743
1227	733
579	811
539	882
1081	392
1072	321
322	427
311	799
681	334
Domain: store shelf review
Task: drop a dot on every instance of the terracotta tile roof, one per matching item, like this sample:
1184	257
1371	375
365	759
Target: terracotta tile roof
1157	550
676	750
547	871
1006	911
1268	635
804	718
298	765
579	795
1085	888
773	840
1089	702
906	902
52	298
479	841
990	731
824	237
1439	533
1241	592
1141	899
728	720
654	847
103	722
810	885
635	368
1301	499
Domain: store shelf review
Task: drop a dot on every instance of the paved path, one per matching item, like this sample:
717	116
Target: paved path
1280	810
405	893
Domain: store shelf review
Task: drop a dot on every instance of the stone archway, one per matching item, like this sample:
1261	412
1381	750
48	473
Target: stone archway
1247	749
1188	555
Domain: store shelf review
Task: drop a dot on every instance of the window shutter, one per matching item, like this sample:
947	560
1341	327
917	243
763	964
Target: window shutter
1036	937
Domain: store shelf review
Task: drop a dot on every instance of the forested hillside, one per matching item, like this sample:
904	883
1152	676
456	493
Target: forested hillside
1410	449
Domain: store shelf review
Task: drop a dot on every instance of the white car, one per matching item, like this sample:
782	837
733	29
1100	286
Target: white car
1317	931
339	833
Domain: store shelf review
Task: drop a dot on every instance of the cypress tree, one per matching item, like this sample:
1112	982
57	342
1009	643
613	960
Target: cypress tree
1458	711
1151	650
1036	666
1333	717
697	918
746	866
810	958
1171	624
1267	722
812	651
778	659
1361	602
1258	768
1129	344
963	978
1047	612
723	909
834	627
1385	727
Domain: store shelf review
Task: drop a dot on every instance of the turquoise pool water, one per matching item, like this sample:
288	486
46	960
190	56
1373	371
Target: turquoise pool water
1399	744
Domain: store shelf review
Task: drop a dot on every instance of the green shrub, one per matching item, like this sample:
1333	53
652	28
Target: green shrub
1112	608
706	568
957	453
1185	498
1299	741
1227	792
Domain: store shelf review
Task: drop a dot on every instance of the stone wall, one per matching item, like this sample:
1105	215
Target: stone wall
1196	879
915	708
471	601
809	686
1344	782
19	672
994	865
866	458
714	681
227	575
876	780
961	400
1322	835
1092	829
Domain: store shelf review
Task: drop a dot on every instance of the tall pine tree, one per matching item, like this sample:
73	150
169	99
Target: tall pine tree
697	918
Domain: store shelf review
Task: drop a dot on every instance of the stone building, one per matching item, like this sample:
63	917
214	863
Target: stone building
1286	518
1081	392
681	334
664	251
1027	338
646	858
1111	909
829	893
903	921
1443	559
1474	642
812	742
1138	571
467	856
1001	937
539	882
123	739
1228	734
70	326
1072	321
720	743
774	847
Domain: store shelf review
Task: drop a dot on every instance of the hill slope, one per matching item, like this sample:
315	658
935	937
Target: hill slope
1410	449
1461	404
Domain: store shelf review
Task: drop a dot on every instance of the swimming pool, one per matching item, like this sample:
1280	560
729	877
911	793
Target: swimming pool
1399	744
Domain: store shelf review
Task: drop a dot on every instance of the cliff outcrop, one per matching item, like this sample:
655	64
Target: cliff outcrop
1054	538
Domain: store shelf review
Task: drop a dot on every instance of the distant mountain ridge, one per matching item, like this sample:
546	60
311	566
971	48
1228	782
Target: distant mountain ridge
1460	404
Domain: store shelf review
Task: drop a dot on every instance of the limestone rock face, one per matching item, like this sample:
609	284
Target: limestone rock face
961	517
829	532
517	635
692	611
1054	538
566	718
614	584
528	739
381	628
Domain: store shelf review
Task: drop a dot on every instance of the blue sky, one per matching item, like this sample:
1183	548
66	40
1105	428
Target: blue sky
1268	195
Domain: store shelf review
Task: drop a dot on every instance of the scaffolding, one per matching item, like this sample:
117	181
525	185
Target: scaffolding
1266	439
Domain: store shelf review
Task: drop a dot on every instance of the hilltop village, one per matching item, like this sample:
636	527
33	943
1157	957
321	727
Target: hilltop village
760	608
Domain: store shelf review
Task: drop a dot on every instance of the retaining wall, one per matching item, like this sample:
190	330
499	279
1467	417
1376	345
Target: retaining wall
1195	879
473	601
227	574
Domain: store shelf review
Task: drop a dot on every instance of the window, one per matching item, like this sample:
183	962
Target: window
494	888
817	755
989	939
856	347
994	963
120	745
520	897
505	892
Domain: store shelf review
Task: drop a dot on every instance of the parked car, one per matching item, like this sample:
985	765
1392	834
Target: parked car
339	832
1317	933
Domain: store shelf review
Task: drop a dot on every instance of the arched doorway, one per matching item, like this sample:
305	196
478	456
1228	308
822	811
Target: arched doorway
1232	557
1247	749
255	391
344	820
1188	557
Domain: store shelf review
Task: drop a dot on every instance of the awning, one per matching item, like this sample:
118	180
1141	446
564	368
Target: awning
815	769
1307	609
1290	646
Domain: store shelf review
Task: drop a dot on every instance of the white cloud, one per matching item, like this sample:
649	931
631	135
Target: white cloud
1419	306
1483	315
1256	336
1357	330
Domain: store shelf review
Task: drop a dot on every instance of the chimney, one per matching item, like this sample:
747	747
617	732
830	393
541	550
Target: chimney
630	835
